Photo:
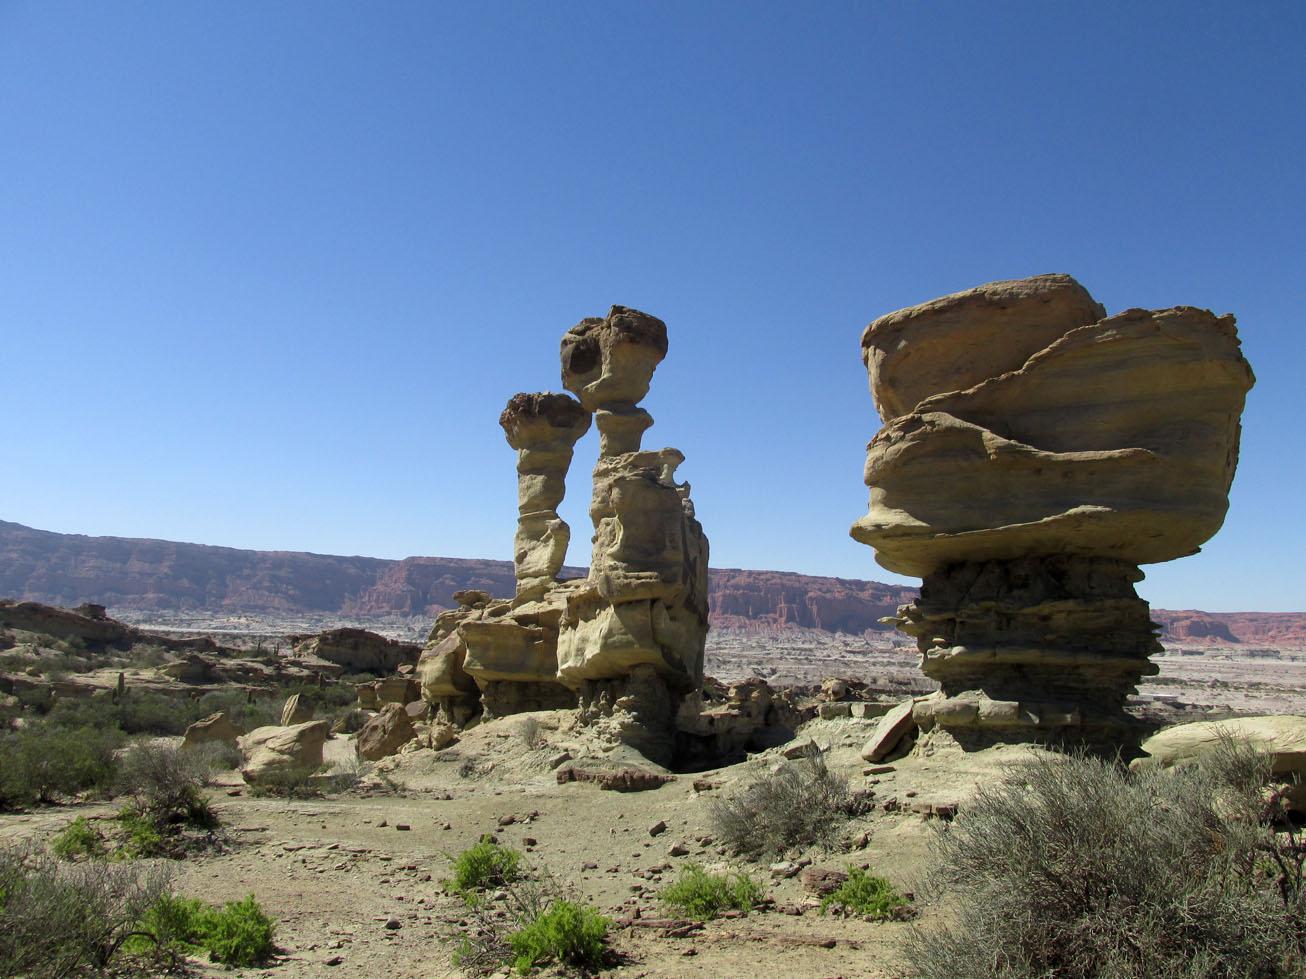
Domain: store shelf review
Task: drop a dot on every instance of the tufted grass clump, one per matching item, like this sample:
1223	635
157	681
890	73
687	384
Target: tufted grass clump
484	866
803	804
1076	867
864	894
567	933
701	895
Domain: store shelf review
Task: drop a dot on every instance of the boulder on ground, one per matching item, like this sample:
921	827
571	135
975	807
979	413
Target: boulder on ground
297	710
274	750
385	733
1281	736
216	727
893	727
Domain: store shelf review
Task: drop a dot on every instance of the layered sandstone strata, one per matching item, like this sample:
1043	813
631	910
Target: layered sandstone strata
1034	452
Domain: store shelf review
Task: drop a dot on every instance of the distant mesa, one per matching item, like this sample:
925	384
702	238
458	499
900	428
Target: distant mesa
144	575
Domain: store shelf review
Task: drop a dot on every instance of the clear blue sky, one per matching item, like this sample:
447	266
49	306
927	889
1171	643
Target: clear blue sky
269	271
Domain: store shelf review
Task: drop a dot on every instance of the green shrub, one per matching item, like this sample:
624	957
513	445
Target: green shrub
239	933
141	836
701	895
44	764
568	933
78	839
1077	868
483	866
864	894
801	805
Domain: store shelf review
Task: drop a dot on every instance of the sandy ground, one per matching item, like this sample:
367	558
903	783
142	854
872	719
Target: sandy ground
334	870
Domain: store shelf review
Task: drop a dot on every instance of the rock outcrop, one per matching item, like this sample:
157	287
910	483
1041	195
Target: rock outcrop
296	710
1034	453
385	733
625	642
217	727
273	751
356	650
1282	737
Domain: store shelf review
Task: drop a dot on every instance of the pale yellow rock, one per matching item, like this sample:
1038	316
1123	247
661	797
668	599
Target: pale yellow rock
216	727
440	670
1282	736
275	750
1118	440
296	710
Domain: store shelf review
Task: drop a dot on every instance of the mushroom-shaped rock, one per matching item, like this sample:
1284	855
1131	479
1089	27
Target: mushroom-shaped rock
608	362
543	428
1034	452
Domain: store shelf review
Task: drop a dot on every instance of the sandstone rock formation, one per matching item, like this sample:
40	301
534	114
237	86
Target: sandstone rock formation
356	650
1034	452
1282	737
296	710
543	428
385	733
627	639
272	751
217	727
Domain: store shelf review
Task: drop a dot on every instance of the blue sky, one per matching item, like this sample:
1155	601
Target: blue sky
269	272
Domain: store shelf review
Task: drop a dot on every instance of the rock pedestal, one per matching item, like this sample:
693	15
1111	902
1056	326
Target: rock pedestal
626	642
1034	453
544	429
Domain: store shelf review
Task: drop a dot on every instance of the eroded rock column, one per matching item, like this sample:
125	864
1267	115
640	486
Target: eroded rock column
1034	453
544	429
631	641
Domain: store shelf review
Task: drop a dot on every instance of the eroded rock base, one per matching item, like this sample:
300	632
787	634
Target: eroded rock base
1038	649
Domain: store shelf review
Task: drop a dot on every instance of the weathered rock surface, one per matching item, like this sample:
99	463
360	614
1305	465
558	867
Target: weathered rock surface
1034	453
271	751
296	710
385	733
543	428
1283	736
892	728
357	650
217	727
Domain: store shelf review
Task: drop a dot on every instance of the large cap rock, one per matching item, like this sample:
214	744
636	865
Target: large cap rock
533	420
1117	439
271	751
960	340
609	361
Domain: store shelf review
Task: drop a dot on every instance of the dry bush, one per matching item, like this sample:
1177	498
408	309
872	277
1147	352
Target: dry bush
1078	869
61	919
802	804
165	783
